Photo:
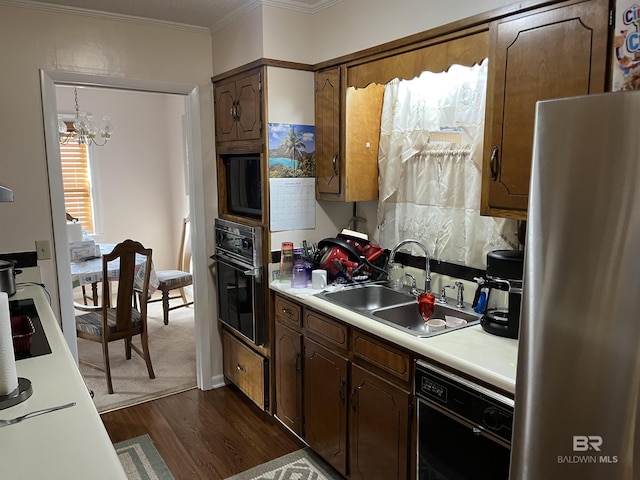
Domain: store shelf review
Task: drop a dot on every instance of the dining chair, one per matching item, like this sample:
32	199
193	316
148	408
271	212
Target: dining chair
116	318
177	279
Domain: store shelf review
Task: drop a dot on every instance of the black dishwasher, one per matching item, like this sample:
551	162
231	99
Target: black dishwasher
464	429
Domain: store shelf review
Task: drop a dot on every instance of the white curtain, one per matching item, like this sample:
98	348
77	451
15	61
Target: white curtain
430	191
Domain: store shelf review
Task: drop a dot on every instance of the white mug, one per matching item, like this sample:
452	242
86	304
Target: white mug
319	279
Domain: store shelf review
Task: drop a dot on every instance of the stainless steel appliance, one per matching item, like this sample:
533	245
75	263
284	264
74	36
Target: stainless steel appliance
504	284
464	429
240	278
578	377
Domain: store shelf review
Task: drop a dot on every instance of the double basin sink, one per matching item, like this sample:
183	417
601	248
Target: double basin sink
396	308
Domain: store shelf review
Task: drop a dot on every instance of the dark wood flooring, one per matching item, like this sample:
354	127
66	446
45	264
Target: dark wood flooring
205	435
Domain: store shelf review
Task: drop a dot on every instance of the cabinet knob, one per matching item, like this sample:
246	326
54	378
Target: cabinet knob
241	368
494	163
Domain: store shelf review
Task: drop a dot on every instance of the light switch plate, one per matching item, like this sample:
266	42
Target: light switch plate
43	249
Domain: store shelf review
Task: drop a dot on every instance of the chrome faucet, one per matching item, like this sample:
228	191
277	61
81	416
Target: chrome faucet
459	296
427	270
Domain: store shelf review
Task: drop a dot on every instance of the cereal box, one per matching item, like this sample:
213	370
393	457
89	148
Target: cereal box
626	47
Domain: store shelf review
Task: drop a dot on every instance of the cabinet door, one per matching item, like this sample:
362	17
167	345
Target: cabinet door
288	366
249	124
378	428
560	52
225	96
325	403
327	115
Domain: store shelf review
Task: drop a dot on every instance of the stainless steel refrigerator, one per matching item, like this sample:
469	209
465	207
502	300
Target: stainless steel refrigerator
578	372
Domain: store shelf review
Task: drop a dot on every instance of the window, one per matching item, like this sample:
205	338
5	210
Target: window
76	179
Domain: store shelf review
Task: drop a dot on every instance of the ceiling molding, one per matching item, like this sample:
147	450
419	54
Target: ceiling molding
233	16
307	7
105	15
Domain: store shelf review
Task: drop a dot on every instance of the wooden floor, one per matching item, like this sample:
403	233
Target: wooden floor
205	435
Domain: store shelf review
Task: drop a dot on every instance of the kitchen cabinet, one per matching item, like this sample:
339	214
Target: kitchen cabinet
325	403
327	117
378	426
558	51
245	368
238	107
356	400
347	138
288	383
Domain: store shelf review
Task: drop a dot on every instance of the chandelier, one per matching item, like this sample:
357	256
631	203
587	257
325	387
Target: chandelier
85	131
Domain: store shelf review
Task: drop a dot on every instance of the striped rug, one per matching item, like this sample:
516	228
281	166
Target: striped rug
141	460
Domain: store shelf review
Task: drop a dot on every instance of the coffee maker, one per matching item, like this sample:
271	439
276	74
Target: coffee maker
504	284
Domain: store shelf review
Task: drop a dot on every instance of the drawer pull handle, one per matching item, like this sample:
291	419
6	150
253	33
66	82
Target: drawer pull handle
287	312
241	368
494	163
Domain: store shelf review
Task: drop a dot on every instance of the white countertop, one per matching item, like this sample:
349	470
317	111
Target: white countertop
67	444
470	350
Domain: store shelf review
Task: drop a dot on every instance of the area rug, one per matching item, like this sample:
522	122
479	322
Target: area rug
173	356
141	460
302	464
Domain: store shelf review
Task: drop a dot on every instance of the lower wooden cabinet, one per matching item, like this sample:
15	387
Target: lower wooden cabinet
355	404
245	368
378	427
288	370
325	403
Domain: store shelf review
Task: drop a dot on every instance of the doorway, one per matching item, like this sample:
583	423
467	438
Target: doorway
190	95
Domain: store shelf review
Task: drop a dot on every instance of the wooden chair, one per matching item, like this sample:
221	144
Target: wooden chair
177	279
107	323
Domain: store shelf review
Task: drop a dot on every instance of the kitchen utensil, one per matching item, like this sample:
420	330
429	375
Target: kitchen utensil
35	413
8	276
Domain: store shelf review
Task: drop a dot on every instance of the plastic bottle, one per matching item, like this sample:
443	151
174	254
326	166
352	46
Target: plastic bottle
286	262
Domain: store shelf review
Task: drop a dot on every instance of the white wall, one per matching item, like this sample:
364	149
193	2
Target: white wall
139	180
239	42
290	100
353	25
31	39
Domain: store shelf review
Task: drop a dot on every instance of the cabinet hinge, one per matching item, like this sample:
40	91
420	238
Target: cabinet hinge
259	81
410	409
612	16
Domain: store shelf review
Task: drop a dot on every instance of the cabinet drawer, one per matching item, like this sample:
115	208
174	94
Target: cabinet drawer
382	355
288	310
245	368
325	328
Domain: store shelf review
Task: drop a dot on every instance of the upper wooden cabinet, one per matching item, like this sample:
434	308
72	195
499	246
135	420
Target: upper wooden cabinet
238	107
557	52
327	116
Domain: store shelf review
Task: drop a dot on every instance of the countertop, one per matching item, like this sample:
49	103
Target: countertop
67	444
470	350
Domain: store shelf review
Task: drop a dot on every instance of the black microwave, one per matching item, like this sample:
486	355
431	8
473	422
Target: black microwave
244	185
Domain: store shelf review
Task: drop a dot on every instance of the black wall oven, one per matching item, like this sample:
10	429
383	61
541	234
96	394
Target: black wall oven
464	429
239	278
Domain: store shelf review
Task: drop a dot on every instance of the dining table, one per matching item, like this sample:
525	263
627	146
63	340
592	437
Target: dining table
89	272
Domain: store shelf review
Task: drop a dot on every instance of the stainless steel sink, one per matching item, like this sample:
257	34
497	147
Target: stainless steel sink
398	309
407	317
366	298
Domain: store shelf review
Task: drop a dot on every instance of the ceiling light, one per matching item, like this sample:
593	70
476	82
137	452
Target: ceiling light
84	130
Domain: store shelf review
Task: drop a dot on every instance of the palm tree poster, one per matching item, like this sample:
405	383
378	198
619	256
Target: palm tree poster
292	198
292	151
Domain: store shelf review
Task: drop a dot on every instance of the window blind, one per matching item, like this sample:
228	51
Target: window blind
77	183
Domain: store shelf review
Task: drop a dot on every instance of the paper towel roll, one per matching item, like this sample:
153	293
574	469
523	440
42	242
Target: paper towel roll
74	232
8	374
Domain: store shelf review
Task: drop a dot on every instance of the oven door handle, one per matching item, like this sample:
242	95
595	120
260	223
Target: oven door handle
247	270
